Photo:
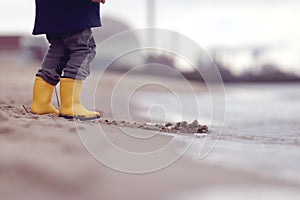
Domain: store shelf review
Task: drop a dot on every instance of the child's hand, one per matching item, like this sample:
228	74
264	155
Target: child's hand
99	1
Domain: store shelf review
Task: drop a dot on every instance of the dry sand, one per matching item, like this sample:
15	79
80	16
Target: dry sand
42	157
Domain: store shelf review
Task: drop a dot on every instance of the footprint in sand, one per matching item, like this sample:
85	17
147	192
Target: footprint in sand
3	117
6	130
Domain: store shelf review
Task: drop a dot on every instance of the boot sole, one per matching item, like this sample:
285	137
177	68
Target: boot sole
81	118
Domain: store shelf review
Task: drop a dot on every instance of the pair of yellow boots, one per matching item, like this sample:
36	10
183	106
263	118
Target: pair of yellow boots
70	91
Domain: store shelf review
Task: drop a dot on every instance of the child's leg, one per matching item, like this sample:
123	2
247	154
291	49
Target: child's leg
48	76
82	51
55	60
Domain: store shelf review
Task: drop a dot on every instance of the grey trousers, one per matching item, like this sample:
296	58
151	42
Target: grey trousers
69	55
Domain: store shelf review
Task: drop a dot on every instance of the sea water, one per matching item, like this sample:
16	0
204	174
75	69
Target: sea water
261	127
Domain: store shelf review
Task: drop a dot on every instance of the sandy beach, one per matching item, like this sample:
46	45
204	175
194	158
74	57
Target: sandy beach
43	157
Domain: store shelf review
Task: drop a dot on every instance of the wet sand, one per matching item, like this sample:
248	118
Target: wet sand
42	157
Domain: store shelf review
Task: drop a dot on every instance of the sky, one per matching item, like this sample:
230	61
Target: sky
211	23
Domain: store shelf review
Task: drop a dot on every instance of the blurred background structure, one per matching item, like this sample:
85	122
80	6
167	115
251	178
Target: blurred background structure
248	40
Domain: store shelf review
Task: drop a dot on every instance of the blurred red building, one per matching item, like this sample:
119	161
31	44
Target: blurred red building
10	43
22	48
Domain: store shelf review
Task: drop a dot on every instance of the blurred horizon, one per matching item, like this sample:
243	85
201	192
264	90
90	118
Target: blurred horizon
243	35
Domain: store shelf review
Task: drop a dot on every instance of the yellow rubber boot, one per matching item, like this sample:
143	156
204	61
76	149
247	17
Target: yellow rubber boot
42	94
71	107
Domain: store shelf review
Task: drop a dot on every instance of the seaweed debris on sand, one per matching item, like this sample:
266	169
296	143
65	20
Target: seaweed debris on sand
179	127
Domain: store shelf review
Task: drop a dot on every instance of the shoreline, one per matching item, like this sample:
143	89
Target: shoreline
43	157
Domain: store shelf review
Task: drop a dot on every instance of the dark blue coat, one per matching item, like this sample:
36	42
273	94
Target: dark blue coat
64	16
